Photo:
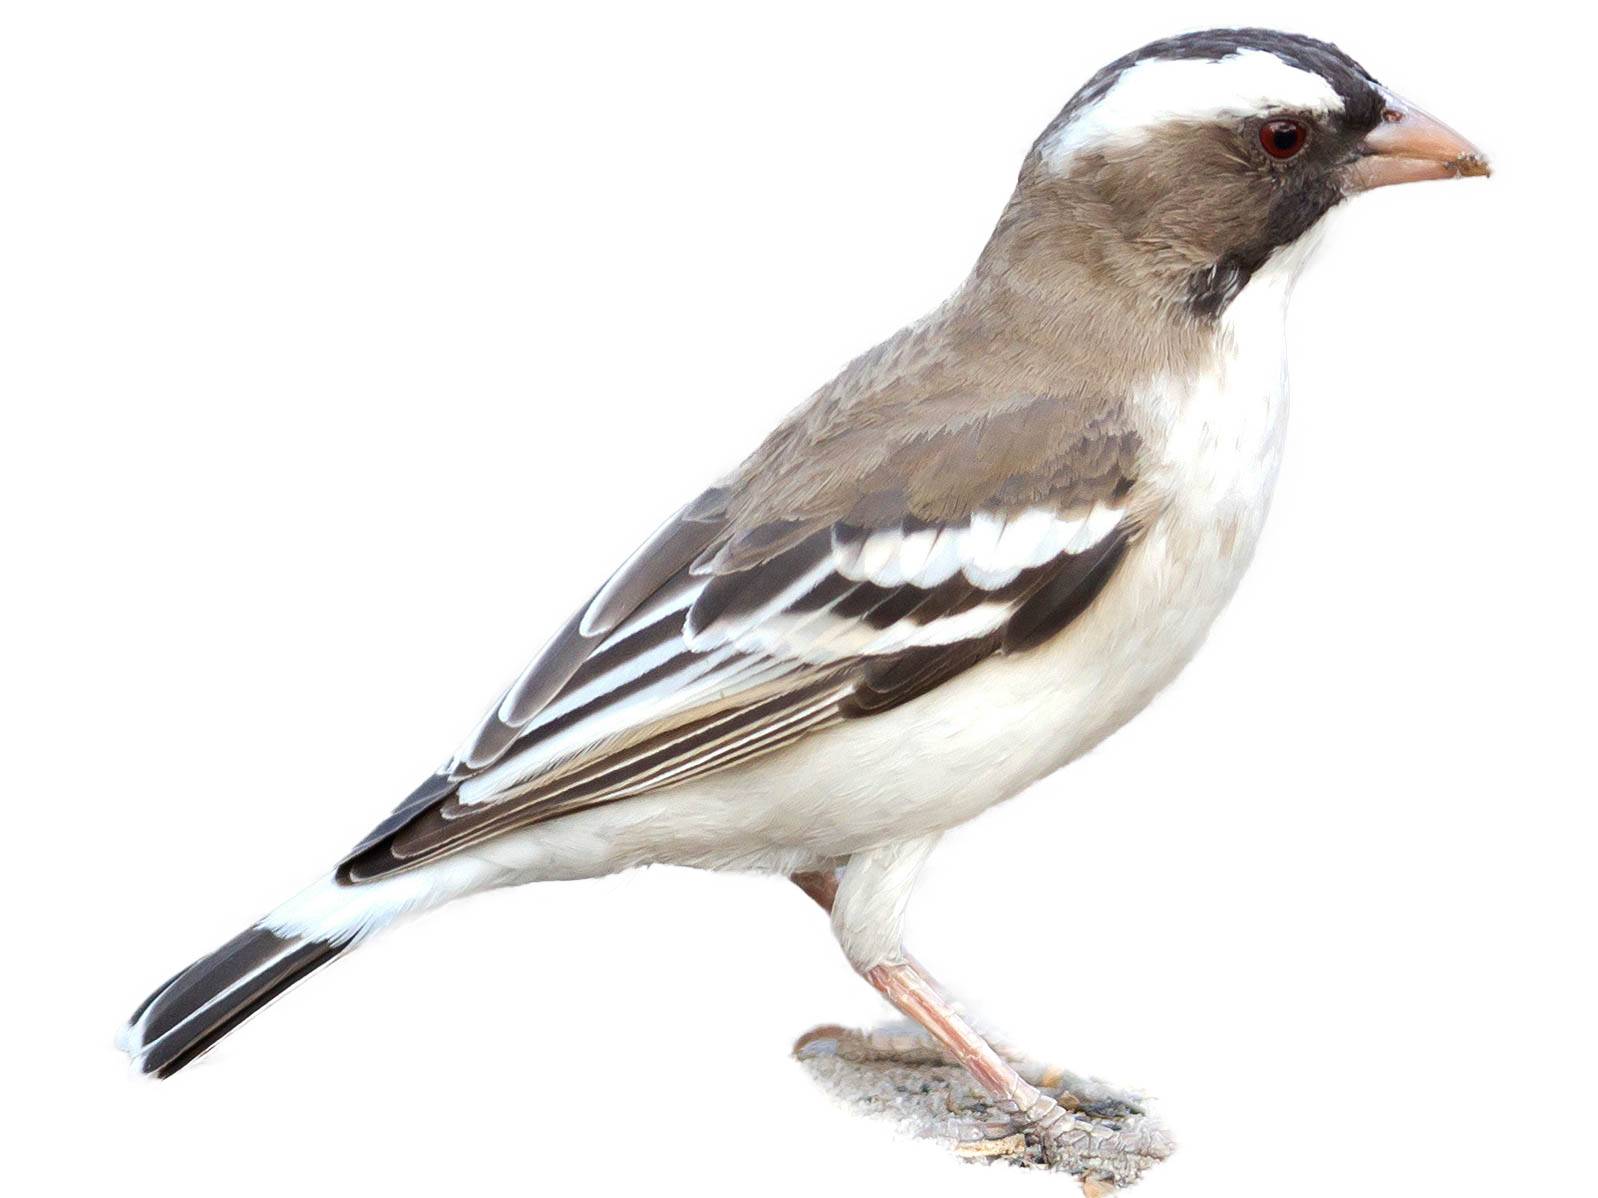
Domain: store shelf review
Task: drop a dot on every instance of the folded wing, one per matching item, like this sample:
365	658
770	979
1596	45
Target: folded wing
717	643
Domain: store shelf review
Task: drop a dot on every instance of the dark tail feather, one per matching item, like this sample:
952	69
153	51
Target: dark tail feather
210	998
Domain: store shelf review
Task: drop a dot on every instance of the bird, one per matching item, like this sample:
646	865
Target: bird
958	566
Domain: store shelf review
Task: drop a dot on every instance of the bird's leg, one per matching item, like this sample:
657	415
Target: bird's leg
875	885
1070	1088
909	989
1103	1151
882	1044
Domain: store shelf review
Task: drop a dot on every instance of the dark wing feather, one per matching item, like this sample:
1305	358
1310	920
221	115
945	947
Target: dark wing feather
1066	595
569	654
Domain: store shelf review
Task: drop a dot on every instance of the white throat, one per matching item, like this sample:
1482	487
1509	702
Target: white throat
1222	433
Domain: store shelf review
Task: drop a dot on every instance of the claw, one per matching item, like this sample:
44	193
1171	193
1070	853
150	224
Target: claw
820	1041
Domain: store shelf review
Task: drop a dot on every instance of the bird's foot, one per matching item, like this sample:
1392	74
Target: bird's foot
1079	1125
906	1045
1105	1152
1086	1095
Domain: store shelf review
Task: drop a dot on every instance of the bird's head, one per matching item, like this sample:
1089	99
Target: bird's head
1186	166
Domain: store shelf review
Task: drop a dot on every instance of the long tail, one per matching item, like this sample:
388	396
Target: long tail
210	998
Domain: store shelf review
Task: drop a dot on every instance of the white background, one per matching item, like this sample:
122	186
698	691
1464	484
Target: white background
347	346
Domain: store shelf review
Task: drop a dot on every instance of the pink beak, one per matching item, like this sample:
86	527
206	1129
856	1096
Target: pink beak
1411	145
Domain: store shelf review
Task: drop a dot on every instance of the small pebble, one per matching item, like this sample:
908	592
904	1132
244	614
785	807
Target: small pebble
1009	1146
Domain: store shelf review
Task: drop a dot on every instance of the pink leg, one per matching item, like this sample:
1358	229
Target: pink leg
907	986
1114	1150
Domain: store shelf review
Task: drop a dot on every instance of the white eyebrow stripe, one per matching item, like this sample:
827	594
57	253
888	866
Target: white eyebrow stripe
1157	90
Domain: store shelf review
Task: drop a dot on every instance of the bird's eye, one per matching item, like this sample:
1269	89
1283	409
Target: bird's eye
1283	139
